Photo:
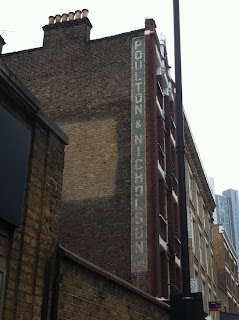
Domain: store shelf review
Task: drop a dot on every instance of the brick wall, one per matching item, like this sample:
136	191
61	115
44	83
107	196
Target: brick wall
24	250
86	291
85	88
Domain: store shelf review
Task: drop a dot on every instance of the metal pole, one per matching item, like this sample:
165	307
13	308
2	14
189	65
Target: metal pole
181	156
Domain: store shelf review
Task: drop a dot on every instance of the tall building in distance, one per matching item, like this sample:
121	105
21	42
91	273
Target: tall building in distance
224	215
232	195
114	98
212	186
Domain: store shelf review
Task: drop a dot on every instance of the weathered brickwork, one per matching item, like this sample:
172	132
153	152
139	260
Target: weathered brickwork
95	113
85	86
88	292
23	251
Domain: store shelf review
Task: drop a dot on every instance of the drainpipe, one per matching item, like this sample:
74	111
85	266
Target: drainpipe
47	283
55	295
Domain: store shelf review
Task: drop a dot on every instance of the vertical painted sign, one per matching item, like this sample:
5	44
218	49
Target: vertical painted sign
138	159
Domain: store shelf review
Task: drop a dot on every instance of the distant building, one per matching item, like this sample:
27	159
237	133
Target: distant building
227	275
223	209
212	186
200	208
232	195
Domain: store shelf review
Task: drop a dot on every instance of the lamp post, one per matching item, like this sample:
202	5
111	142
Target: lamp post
187	305
181	155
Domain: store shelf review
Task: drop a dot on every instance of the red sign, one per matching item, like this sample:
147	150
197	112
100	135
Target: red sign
214	305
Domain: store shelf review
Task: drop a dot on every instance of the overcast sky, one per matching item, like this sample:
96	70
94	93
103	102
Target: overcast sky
210	61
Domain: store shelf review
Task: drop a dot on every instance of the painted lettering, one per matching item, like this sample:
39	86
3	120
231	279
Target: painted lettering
138	124
138	177
138	84
138	108
138	139
139	232
138	65
139	191
138	152
138	98
137	44
138	216
137	165
136	74
139	248
138	54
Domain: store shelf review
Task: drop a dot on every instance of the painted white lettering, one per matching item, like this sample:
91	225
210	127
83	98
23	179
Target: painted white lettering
138	97
137	166
139	191
138	65
140	177
138	124
138	86
138	139
139	248
138	54
138	152
138	108
137	44
136	76
139	217
139	232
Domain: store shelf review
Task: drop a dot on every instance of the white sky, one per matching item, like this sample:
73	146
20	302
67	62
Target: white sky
210	61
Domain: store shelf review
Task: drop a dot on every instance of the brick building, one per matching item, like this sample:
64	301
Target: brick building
227	275
200	208
38	278
32	156
115	100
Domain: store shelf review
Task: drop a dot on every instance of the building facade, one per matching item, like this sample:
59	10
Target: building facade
38	278
223	209
200	208
31	174
227	267
232	195
114	98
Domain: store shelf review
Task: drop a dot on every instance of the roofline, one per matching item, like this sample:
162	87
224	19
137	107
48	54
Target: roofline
96	269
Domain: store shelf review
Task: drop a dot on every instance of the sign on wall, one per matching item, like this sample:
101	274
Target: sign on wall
138	159
214	305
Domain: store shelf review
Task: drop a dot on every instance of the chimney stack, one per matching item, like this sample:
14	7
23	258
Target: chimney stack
68	28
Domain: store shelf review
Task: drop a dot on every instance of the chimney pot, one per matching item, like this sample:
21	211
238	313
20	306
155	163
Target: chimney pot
77	14
58	18
51	20
64	17
71	15
85	13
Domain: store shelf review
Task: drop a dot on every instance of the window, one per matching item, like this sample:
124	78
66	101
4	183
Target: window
190	183
200	245
206	255
197	201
